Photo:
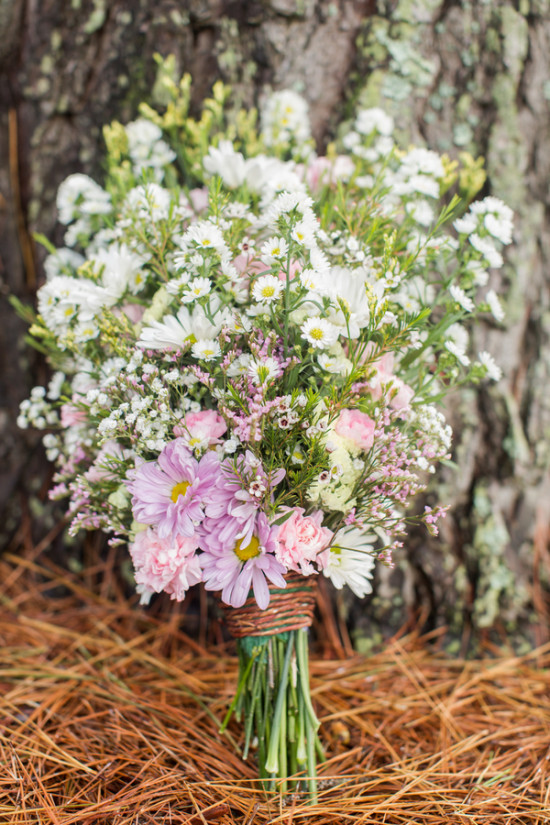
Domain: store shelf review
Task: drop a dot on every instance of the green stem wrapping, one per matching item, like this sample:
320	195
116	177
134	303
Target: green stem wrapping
273	693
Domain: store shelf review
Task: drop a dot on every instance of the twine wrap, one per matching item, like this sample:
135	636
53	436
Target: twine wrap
288	609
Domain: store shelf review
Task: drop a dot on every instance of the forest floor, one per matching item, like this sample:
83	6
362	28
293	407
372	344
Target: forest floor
110	714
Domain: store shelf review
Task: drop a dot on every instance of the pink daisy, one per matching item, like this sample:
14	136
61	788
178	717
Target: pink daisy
170	493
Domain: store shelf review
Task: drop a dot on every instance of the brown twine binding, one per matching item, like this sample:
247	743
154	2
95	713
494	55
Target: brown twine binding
288	609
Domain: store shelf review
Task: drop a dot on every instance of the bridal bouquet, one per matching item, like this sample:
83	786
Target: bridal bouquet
249	344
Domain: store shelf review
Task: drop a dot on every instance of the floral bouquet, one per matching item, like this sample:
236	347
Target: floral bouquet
250	343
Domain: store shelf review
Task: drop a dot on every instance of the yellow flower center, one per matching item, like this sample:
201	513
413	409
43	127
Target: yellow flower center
317	333
179	490
250	551
268	291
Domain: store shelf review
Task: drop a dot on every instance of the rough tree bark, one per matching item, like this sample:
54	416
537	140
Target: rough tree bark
469	75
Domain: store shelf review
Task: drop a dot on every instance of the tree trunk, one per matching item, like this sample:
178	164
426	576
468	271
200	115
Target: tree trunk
469	76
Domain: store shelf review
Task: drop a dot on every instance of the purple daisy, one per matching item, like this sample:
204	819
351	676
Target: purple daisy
170	493
236	566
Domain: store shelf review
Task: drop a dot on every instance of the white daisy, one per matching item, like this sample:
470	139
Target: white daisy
86	330
499	229
204	235
320	333
421	212
487	249
304	232
466	224
206	350
458	352
196	289
285	116
374	120
63	261
478	272
274	250
350	561
338	365
310	279
424	185
495	306
122	268
149	202
461	298
263	371
240	365
347	286
177	332
459	335
493	205
267	289
224	161
78	194
493	371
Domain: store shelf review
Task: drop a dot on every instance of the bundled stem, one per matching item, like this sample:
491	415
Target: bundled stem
273	697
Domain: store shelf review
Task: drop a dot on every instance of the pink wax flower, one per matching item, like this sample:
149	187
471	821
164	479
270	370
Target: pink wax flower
357	427
104	466
301	539
71	415
237	566
165	564
201	430
170	493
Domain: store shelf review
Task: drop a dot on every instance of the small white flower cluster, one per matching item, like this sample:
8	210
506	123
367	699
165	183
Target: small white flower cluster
36	411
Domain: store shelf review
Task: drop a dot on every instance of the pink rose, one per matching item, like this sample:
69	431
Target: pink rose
301	539
399	394
356	427
199	198
169	564
201	429
323	170
294	269
132	311
246	264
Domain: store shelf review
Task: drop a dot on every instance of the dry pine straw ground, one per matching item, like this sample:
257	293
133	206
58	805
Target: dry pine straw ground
110	715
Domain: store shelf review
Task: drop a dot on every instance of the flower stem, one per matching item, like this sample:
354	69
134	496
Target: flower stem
273	691
272	762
